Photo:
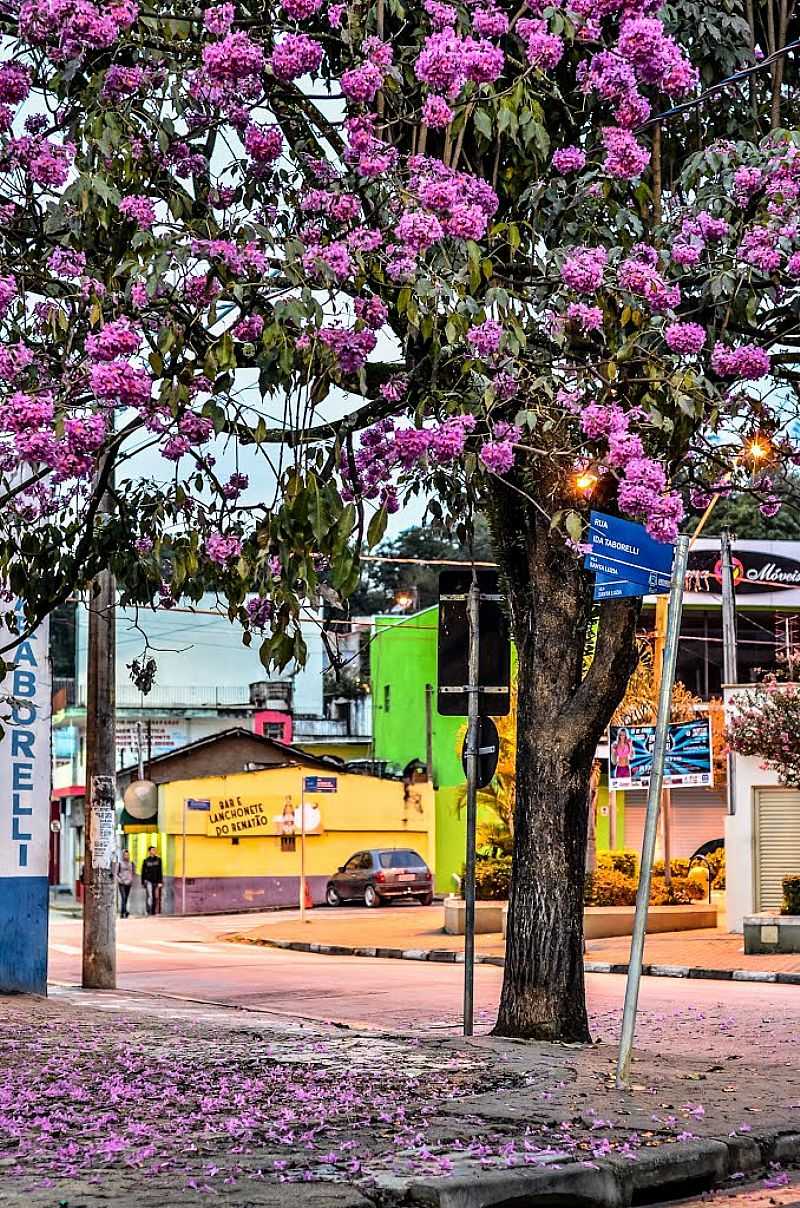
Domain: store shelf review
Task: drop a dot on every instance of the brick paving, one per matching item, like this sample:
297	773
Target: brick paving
418	928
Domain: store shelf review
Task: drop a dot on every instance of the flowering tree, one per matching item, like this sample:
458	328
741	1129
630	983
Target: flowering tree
371	252
766	724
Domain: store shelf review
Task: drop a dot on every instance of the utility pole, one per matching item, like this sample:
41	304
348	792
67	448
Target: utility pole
730	672
666	796
99	865
471	753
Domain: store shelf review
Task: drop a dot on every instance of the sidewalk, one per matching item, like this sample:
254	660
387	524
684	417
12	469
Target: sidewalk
132	1099
415	933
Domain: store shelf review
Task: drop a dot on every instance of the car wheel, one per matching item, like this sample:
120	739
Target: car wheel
426	899
332	897
371	896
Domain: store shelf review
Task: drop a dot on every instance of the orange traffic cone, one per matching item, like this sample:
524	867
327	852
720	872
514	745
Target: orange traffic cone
307	899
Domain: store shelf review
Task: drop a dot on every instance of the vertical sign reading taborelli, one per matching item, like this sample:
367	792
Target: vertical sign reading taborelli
25	815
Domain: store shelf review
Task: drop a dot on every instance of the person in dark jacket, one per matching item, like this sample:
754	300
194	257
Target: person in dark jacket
152	875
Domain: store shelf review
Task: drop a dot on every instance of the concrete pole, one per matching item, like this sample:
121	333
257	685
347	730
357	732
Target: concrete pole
99	970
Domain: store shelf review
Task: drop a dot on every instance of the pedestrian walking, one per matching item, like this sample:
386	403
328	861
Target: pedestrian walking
125	872
152	875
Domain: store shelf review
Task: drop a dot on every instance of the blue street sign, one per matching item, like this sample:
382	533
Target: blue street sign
628	545
617	589
320	784
653	581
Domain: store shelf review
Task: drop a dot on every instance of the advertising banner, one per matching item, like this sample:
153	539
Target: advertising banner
688	760
248	817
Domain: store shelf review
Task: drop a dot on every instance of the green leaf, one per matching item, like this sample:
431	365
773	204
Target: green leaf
482	123
377	527
574	526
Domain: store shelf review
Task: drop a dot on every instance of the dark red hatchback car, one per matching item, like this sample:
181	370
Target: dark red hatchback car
379	875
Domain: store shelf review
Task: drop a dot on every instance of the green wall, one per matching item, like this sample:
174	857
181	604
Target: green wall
403	659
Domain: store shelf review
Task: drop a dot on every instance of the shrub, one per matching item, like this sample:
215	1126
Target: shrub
607	887
716	859
679	892
791	894
679	867
626	862
493	879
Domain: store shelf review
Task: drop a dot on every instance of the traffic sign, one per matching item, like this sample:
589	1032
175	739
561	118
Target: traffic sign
494	648
629	547
488	751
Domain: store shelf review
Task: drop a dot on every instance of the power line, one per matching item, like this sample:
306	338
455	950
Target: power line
715	88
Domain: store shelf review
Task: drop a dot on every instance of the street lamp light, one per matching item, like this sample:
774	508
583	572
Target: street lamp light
406	599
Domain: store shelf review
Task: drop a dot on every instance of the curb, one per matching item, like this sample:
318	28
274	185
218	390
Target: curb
448	956
667	1171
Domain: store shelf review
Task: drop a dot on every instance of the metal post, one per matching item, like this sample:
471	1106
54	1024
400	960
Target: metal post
99	970
302	848
183	861
730	673
729	670
612	819
651	820
666	800
429	732
471	753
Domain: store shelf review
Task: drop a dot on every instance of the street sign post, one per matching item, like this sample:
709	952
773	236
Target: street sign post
474	667
675	609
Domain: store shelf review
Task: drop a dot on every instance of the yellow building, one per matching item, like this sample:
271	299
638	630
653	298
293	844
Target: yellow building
233	842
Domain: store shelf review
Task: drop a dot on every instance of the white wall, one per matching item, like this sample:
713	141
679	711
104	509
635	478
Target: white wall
748	776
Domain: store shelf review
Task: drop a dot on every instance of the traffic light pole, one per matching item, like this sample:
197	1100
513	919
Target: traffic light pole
471	754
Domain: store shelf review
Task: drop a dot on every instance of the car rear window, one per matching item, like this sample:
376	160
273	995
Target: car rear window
401	859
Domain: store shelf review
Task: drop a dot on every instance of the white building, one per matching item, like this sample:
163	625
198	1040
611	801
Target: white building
762	834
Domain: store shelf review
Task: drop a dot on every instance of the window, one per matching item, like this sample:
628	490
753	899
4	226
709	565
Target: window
401	859
354	862
273	729
288	843
387	697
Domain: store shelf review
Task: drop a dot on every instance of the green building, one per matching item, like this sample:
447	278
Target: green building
403	673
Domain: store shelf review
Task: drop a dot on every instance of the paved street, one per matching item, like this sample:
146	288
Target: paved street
185	958
749	1195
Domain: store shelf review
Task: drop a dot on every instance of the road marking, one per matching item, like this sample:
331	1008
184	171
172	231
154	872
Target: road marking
134	948
66	949
189	946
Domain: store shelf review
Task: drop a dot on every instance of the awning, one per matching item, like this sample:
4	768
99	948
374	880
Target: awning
72	790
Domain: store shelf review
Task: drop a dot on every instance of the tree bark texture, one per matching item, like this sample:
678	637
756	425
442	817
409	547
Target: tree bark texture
562	714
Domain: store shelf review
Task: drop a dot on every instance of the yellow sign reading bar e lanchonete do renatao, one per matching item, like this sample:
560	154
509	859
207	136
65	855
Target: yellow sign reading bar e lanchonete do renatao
268	815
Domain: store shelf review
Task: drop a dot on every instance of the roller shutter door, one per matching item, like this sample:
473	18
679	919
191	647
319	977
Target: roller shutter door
698	815
777	833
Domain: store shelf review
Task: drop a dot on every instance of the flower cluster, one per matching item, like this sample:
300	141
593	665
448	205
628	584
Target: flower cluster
748	361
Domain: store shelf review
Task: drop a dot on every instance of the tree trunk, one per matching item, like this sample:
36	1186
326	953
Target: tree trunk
561	717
